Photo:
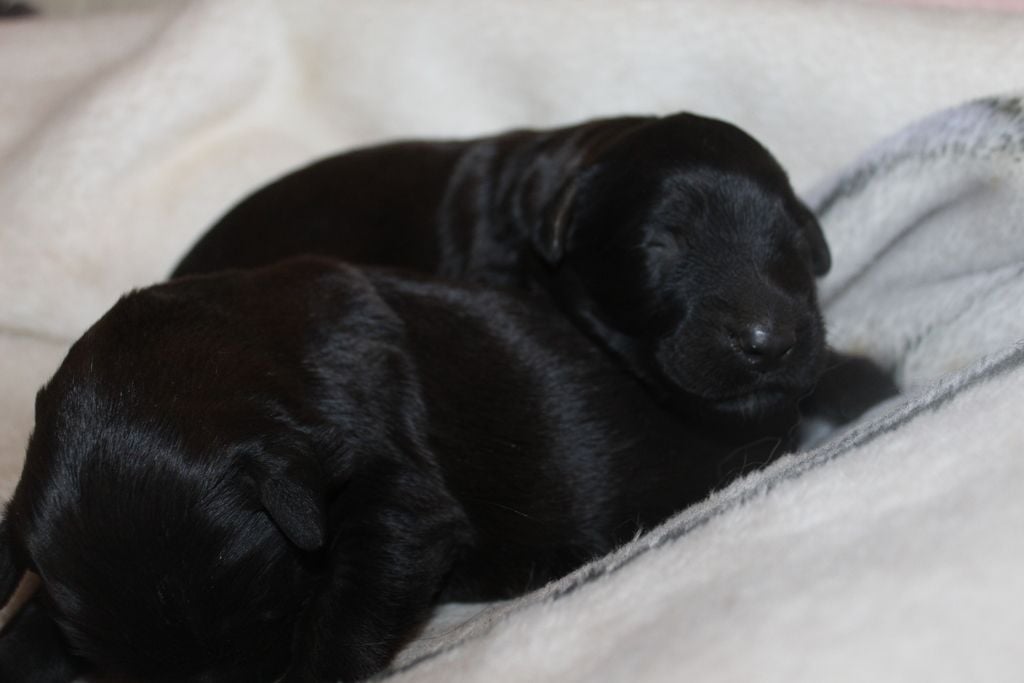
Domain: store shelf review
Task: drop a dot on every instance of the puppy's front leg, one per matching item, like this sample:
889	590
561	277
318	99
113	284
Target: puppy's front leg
848	387
394	540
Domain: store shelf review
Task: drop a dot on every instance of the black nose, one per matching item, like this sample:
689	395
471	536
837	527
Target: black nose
764	344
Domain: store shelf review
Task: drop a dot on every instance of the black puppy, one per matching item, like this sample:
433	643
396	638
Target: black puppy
676	243
279	471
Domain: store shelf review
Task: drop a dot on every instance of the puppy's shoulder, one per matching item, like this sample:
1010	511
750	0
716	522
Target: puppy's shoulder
505	331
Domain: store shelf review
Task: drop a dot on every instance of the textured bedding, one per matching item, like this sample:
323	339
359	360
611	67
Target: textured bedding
889	551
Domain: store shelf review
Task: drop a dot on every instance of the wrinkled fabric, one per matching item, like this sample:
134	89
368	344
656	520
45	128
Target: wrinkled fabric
889	552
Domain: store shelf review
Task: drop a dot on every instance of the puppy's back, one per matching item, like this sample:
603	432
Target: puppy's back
556	454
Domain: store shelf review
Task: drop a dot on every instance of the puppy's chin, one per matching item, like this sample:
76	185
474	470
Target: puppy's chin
754	405
748	402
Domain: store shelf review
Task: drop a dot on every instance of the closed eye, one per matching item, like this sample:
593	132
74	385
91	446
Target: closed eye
662	243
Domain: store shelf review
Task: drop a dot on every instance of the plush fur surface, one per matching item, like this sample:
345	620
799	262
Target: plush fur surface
244	474
895	558
676	244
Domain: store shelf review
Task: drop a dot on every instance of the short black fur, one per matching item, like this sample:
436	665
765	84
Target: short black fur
280	471
676	243
297	463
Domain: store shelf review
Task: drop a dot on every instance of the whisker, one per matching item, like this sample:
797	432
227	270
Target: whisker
506	508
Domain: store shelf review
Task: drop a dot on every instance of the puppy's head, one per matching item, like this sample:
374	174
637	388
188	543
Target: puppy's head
168	502
681	246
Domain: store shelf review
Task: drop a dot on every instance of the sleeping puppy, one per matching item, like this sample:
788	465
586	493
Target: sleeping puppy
279	471
676	243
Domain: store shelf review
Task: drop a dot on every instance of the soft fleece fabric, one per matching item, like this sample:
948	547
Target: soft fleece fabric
890	552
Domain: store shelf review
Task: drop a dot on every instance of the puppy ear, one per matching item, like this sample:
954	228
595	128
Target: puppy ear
291	490
551	179
821	258
551	233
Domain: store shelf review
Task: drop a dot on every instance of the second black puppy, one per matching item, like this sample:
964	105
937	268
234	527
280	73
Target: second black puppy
676	243
281	470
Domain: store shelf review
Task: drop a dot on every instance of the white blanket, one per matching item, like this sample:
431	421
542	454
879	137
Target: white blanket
891	552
